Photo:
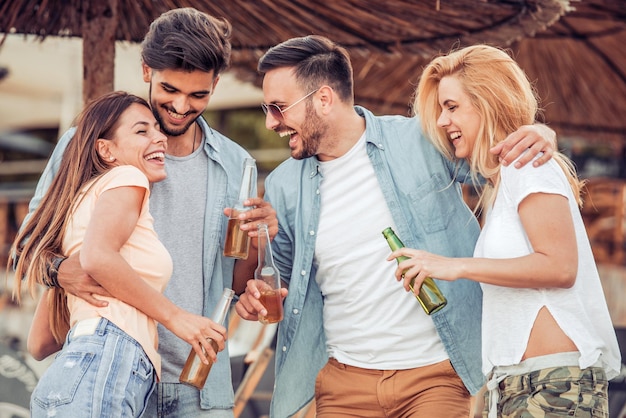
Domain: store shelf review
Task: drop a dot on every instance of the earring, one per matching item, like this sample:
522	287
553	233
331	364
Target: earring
111	158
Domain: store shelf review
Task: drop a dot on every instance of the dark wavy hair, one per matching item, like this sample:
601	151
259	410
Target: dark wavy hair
187	39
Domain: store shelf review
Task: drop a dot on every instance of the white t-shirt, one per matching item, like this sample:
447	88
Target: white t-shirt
370	321
509	313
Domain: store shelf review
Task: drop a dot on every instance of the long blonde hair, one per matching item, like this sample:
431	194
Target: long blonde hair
501	93
41	238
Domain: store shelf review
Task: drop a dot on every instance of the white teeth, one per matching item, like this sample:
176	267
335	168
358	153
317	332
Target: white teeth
285	133
155	155
175	115
455	135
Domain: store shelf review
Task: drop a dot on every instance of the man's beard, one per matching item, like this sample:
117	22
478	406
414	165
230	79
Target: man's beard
311	134
164	128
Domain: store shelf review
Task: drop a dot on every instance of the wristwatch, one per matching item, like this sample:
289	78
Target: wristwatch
53	271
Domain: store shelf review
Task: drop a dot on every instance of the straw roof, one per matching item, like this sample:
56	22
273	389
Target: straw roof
393	27
409	25
578	61
579	66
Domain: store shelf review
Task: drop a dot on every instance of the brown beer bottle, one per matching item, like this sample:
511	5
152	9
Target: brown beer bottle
268	279
429	295
195	372
237	242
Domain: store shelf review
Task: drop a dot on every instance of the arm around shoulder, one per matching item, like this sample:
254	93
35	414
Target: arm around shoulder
535	139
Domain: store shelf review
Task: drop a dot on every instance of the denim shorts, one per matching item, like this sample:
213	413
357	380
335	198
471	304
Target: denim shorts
99	373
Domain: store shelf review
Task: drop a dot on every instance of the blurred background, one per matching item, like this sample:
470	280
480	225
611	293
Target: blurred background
55	55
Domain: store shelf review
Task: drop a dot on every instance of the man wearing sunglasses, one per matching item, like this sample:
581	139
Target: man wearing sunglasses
351	335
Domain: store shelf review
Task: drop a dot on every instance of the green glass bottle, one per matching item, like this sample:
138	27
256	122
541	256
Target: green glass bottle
429	296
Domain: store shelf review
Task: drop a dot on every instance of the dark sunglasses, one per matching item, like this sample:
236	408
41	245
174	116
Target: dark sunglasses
277	112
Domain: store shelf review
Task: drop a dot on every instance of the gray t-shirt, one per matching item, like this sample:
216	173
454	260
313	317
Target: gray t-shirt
178	207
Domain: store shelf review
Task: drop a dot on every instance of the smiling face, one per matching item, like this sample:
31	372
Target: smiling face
137	141
305	129
178	97
459	118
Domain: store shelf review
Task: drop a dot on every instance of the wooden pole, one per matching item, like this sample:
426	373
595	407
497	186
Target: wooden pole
99	24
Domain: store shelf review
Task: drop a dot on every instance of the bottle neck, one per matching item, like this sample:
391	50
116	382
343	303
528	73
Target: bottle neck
264	248
221	310
392	239
265	265
245	189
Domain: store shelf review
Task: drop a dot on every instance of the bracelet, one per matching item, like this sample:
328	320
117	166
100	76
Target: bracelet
53	271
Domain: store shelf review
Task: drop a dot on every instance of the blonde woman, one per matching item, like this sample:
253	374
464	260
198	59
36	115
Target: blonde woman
97	205
548	345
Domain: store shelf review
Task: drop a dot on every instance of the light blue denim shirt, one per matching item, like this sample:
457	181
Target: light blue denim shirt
224	177
427	207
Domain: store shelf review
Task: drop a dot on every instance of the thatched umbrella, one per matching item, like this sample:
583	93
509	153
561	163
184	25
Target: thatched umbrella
579	65
372	30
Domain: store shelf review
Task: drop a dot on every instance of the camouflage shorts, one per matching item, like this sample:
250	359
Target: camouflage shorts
554	392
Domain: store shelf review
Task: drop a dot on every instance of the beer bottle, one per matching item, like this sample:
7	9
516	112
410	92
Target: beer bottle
237	242
429	295
268	279
195	372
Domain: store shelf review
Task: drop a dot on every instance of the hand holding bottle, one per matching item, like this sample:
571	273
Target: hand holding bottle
249	306
260	211
418	265
197	368
426	290
197	330
267	279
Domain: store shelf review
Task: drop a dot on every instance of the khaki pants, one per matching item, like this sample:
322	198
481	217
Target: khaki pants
423	392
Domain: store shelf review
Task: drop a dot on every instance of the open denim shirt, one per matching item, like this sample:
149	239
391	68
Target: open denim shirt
427	207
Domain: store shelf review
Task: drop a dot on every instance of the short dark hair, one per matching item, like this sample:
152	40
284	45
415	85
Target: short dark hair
187	39
317	60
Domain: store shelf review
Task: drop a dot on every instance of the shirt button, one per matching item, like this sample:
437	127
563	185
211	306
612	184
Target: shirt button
311	232
303	273
284	348
317	191
295	311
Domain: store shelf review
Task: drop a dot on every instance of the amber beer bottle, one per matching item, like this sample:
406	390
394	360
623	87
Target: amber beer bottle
195	372
268	279
429	295
237	242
